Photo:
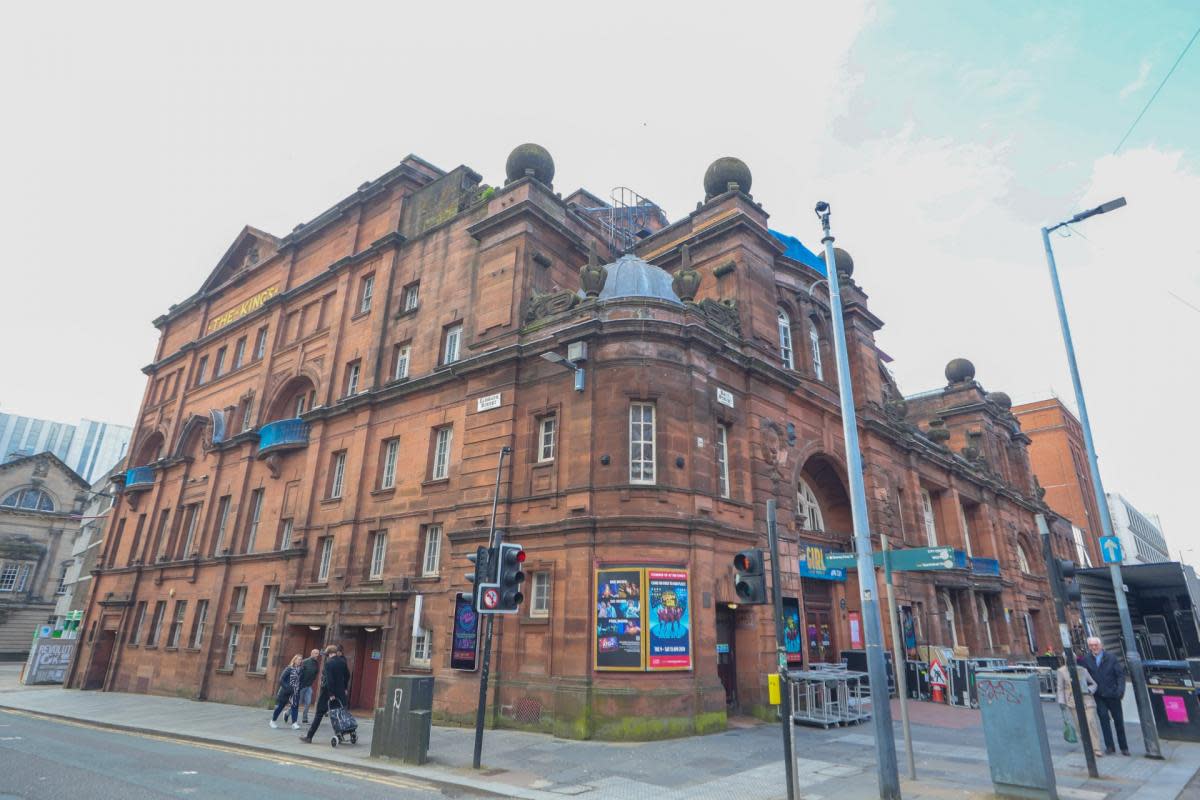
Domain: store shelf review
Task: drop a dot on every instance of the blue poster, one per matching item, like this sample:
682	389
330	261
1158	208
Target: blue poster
670	635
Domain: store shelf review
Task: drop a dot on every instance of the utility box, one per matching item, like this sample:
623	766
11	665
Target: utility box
402	726
1014	728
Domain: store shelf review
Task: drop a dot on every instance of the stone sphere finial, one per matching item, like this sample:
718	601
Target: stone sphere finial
960	370
531	160
724	171
1001	399
845	264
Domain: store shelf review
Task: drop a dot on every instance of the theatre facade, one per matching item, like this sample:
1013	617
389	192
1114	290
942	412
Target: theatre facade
318	446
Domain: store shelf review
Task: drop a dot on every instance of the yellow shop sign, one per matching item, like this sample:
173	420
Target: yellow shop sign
236	313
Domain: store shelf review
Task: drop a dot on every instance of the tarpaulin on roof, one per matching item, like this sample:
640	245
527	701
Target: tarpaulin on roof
798	252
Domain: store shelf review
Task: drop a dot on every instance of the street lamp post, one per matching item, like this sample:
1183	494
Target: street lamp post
881	708
1136	672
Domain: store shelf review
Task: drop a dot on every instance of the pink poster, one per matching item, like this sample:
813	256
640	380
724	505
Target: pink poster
1176	709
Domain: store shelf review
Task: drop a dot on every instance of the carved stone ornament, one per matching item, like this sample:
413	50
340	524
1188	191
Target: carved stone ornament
548	304
722	313
592	275
687	280
273	462
41	468
774	448
896	408
937	432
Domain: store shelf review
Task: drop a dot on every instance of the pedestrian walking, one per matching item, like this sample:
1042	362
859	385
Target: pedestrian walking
1109	675
1066	699
308	675
288	693
335	682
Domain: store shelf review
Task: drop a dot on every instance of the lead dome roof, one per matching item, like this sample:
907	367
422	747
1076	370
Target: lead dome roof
630	276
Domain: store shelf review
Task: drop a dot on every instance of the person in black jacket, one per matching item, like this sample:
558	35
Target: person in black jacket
1109	675
289	692
308	674
335	682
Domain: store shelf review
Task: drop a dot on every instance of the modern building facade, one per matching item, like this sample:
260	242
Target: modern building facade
40	503
89	448
1060	463
1141	535
72	592
320	433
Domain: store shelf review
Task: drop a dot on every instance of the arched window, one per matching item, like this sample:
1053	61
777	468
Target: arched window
808	509
785	340
814	343
1022	559
29	499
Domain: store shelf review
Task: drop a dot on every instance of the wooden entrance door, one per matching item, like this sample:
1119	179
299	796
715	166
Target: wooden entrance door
101	656
820	642
364	685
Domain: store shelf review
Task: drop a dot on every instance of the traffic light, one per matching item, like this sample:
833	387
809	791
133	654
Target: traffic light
1070	587
749	579
482	559
510	577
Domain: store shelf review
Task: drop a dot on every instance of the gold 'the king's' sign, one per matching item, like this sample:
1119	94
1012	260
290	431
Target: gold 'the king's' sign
236	313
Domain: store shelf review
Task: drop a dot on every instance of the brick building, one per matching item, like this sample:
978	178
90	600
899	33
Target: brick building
318	442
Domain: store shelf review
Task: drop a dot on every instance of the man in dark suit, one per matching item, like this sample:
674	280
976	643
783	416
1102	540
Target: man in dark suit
335	682
1109	675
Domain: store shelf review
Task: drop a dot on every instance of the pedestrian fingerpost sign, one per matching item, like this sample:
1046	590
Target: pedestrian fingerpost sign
911	559
1110	548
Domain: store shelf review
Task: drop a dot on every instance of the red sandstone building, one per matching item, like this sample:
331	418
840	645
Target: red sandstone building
318	441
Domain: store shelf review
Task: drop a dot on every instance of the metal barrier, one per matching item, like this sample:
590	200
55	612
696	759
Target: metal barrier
829	694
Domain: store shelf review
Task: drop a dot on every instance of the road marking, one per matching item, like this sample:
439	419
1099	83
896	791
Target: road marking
299	761
189	772
9	738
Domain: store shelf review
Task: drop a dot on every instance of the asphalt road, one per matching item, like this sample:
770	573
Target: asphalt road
43	759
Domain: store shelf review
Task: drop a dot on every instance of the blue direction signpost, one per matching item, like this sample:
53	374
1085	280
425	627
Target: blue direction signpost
1110	548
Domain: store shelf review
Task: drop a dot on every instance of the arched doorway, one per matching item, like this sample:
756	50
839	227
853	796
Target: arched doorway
823	523
294	398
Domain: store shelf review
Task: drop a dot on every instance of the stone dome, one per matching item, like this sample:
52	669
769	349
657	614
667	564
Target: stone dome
1001	399
530	156
723	172
845	264
630	276
960	370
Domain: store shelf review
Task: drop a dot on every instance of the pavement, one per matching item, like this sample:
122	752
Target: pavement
743	761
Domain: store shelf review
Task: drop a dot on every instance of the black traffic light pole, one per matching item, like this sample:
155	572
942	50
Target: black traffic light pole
785	700
1068	652
486	661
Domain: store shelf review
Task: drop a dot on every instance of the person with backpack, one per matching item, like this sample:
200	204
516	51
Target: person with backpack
335	682
288	692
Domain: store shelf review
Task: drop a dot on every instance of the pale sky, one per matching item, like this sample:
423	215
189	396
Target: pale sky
139	138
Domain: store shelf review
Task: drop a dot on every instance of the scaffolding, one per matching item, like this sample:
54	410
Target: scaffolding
627	219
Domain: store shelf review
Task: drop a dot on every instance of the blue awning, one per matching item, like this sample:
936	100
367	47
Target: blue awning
798	252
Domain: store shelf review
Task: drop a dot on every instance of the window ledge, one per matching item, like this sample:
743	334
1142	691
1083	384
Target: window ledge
371	582
360	314
253	673
191	649
170	649
150	647
383	494
224	670
418	667
331	501
408	312
435	483
536	620
427	578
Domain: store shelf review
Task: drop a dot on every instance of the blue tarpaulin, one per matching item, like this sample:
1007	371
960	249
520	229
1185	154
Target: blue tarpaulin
798	252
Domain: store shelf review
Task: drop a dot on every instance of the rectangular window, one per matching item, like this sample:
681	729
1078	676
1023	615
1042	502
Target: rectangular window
219	362
260	343
235	632
301	404
403	355
326	557
23	577
139	619
115	544
176	630
352	372
378	554
547	431
270	599
422	648
450	344
431	562
203	365
387	476
162	540
411	297
160	609
367	288
256	501
641	443
285	536
337	474
199	622
193	517
814	342
539	605
62	579
222	522
723	460
264	648
1081	551
239	353
8	577
930	522
238	604
966	530
441	453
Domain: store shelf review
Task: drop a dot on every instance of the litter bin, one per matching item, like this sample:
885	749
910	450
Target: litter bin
1174	699
402	725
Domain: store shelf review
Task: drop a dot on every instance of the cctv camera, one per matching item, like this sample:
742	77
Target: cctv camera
822	207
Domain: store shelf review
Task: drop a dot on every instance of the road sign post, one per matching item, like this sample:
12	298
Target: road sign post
485	666
898	654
